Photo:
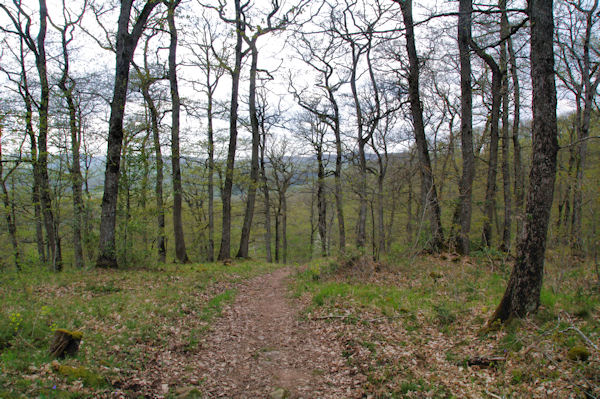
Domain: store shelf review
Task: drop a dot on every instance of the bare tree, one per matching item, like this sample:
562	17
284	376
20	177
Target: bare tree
522	294
146	80
211	63
579	71
180	251
463	211
126	43
66	85
322	60
21	23
429	199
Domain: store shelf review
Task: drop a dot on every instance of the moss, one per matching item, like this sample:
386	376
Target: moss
578	352
88	377
74	334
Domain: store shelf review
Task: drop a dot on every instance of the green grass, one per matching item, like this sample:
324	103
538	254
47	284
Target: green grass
119	312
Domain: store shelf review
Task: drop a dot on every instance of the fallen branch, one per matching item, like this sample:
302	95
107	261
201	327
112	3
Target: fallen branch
485	361
582	335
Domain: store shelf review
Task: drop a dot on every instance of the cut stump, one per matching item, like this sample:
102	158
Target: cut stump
65	343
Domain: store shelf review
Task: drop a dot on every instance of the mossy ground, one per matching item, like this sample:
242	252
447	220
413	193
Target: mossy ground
121	313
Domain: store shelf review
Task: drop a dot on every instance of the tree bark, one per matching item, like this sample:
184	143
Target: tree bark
125	46
522	295
429	199
463	211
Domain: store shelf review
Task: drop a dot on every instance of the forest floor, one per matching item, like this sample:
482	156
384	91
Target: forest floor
334	328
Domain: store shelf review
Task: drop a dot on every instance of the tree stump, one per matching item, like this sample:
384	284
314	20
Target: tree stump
65	343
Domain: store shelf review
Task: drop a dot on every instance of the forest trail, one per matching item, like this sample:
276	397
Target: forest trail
260	347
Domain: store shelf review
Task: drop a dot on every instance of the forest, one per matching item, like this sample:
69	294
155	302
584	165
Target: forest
297	199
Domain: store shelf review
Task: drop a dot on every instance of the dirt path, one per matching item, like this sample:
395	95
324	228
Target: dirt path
259	347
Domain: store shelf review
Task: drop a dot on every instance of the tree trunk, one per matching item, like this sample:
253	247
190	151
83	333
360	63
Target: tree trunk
125	46
380	215
265	189
75	170
490	192
211	172
519	183
339	201
278	228
506	226
462	214
361	231
45	193
522	295
225	250
9	212
251	199
429	199
589	89
321	202
284	228
158	188
180	251
35	191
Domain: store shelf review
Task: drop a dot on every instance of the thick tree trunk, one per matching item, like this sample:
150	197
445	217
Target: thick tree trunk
251	198
225	250
522	295
462	214
125	46
180	251
429	198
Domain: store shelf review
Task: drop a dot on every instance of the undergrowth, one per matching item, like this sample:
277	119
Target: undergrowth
430	311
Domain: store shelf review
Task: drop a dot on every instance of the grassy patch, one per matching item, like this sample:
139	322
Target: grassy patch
124	315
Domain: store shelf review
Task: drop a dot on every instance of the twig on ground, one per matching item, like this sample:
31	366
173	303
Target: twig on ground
493	395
